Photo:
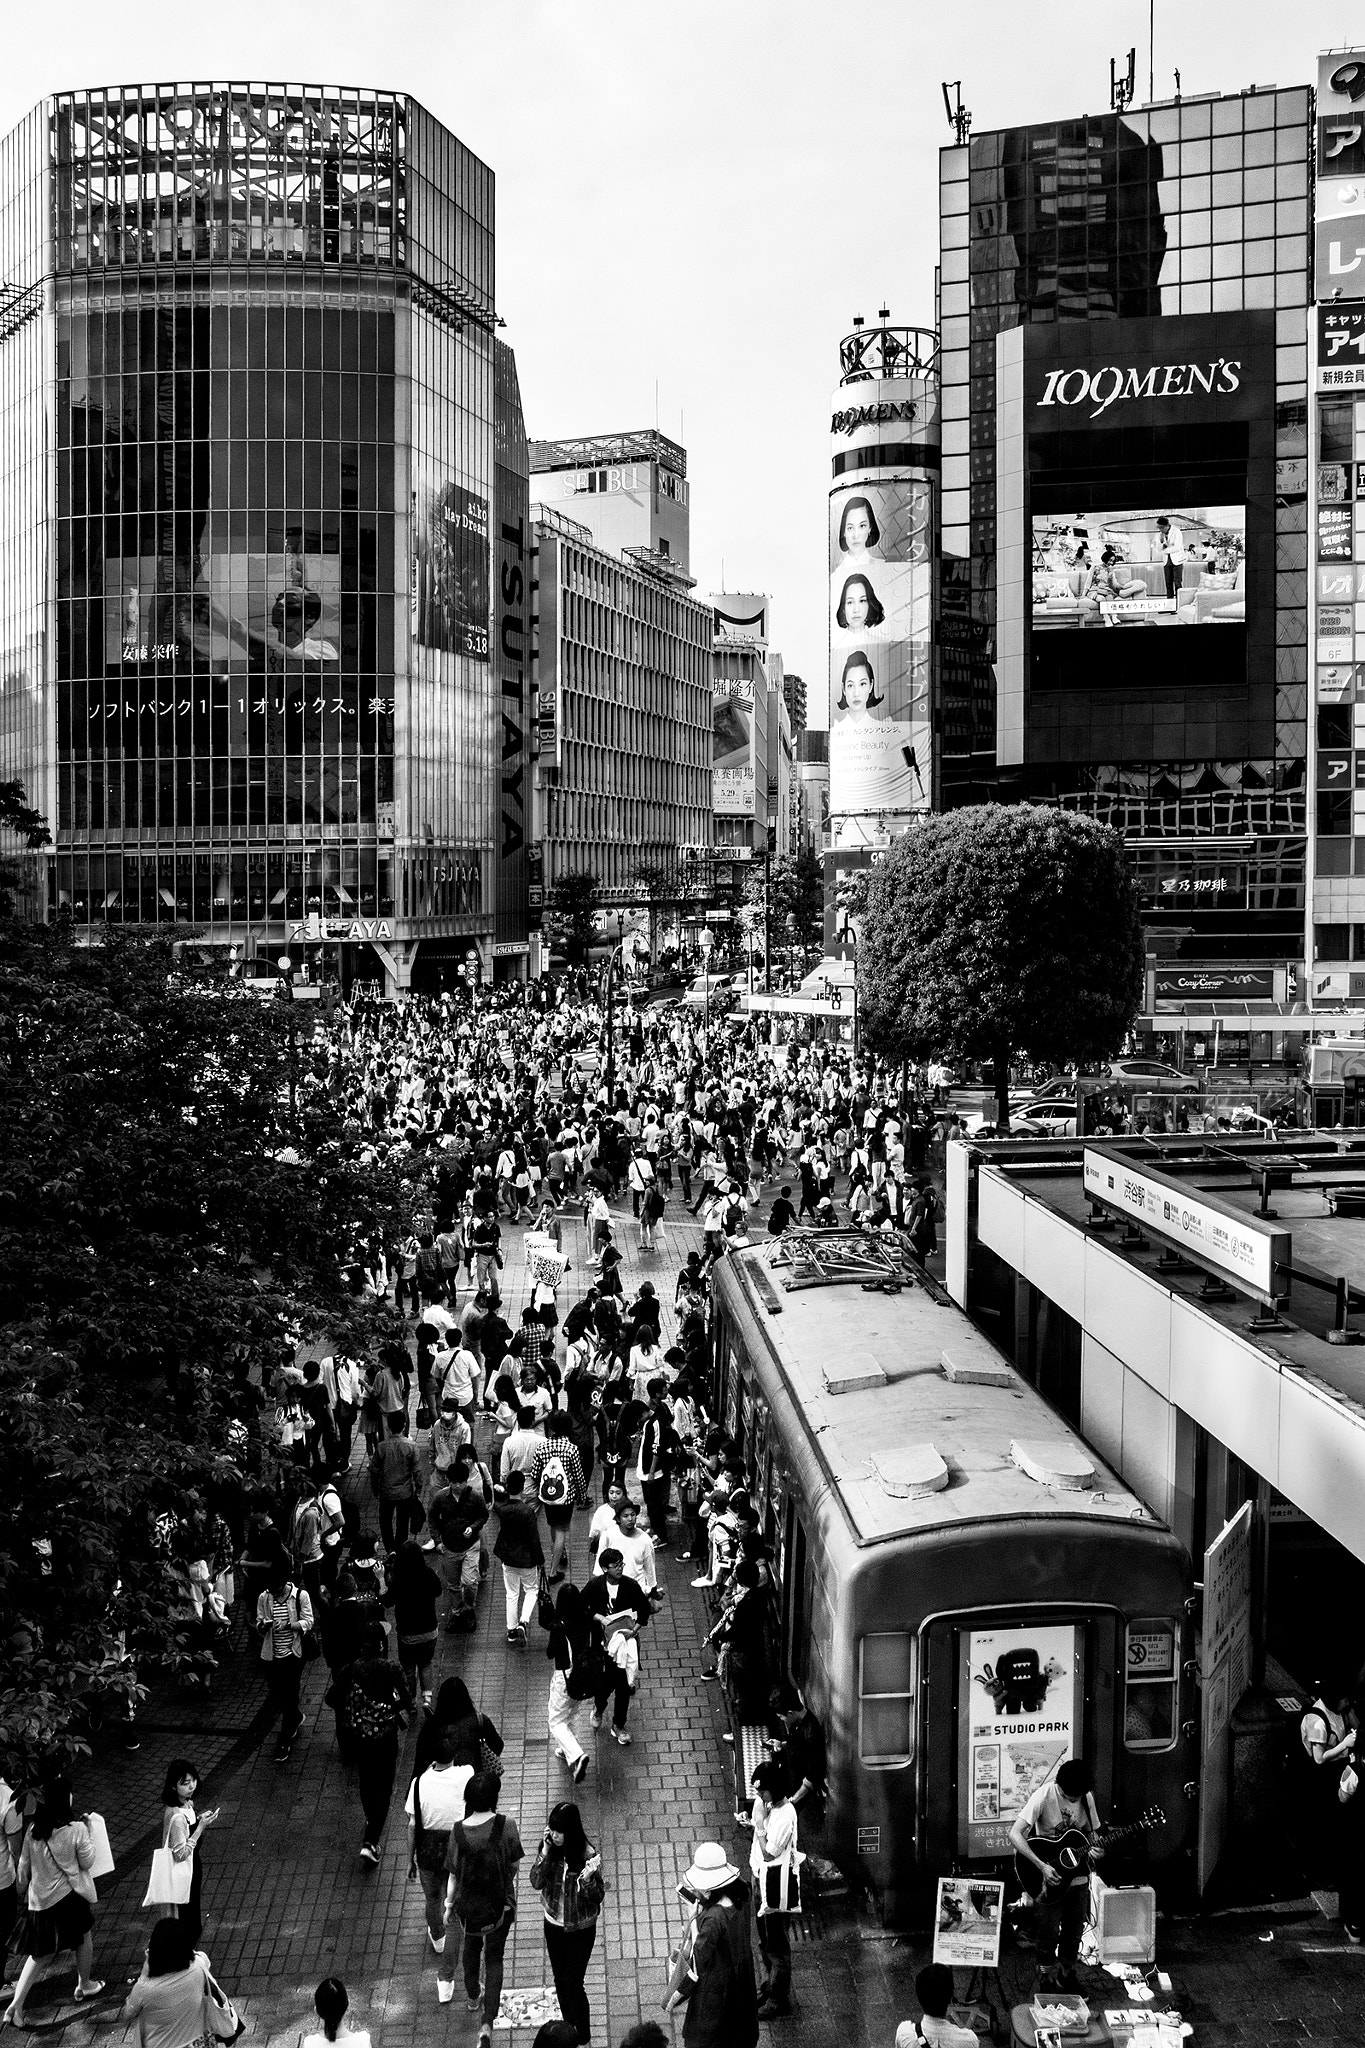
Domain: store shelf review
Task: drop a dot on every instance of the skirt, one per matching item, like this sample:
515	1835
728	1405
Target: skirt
54	1928
416	1650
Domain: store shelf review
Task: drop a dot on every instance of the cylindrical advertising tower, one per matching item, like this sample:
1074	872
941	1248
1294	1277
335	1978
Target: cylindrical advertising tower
884	459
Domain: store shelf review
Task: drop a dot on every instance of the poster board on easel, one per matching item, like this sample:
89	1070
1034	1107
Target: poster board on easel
968	1918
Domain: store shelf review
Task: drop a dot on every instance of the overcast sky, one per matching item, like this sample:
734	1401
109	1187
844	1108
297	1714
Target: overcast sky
701	194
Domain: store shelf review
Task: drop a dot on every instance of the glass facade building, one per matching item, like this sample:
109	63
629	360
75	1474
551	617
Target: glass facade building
1144	247
247	449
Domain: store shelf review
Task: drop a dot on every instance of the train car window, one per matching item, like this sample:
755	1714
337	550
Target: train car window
886	1698
1151	1681
798	1642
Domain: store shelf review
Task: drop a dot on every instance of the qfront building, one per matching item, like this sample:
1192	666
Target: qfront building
1124	522
247	386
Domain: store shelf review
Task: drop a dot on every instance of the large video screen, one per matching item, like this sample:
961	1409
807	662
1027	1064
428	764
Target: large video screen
1167	565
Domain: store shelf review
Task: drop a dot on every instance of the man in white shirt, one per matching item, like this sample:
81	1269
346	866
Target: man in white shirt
934	1990
438	1795
524	1445
1171	542
636	1548
604	1531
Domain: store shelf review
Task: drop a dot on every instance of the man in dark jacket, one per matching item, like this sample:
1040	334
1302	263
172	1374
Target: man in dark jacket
457	1514
393	1477
519	1552
620	1609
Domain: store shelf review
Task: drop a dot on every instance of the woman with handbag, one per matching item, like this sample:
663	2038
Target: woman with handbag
776	1863
578	1662
58	1891
284	1624
176	2002
475	1739
416	1595
567	1873
181	1832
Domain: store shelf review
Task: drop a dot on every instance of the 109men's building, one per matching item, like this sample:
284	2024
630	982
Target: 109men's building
249	390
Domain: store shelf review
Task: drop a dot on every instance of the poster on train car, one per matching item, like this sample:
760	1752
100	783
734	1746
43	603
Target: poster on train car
1019	1712
967	1923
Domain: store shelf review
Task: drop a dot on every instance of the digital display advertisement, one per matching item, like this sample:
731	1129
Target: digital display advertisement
450	569
880	628
733	784
273	611
1167	565
1019	1707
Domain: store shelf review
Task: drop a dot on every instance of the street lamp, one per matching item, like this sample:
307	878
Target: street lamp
285	992
706	942
612	958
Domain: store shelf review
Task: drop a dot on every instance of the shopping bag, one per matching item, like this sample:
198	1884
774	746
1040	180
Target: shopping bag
169	1883
99	1835
221	2021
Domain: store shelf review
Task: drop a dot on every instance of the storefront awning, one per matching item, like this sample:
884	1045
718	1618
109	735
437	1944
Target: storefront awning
1242	1017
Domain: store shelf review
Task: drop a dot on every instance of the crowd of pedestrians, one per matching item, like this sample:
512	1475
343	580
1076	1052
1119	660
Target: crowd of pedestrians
557	1455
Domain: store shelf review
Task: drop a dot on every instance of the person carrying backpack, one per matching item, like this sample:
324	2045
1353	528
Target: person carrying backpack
558	1484
481	1894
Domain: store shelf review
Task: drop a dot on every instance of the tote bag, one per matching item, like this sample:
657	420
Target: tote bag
103	1864
169	1883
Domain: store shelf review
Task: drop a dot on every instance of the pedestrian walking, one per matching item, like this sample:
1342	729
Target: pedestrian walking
395	1480
578	1667
476	1739
567	1872
713	1968
620	1609
458	1514
55	1885
182	1829
284	1618
331	2003
11	1838
481	1894
176	2002
658	1452
557	1480
435	1803
416	1595
376	1708
775	1861
519	1551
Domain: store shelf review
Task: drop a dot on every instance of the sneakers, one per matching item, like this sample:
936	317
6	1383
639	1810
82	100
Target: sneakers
485	2037
580	1772
728	1737
426	1698
283	1753
473	2004
597	1717
621	1735
445	1991
369	1854
516	1637
438	1948
1352	1933
699	1585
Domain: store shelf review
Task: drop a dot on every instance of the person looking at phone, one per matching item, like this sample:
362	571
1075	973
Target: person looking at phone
1063	1897
182	1829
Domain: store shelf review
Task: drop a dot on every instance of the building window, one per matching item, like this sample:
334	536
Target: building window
886	1698
1332	941
1151	1682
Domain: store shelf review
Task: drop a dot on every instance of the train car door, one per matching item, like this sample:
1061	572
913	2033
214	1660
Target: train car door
795	1599
1005	1697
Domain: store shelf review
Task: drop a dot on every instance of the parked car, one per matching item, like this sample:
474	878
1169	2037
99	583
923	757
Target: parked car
1153	1077
722	992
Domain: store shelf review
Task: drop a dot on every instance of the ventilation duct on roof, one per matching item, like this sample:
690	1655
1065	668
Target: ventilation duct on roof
1055	1463
850	1375
911	1471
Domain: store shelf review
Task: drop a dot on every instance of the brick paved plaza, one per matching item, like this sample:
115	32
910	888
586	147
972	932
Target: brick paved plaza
287	1900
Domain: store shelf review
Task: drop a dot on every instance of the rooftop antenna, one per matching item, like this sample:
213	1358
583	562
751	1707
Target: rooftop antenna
959	120
1121	90
1177	83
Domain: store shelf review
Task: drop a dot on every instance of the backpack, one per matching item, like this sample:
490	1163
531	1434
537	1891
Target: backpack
481	1879
552	1488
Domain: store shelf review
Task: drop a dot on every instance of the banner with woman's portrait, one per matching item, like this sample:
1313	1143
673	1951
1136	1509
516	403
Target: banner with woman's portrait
880	633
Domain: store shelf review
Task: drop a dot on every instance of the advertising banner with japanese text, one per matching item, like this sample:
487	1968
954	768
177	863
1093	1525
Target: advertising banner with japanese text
1019	1710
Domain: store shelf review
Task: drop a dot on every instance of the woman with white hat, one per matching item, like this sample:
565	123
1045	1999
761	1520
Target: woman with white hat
713	1972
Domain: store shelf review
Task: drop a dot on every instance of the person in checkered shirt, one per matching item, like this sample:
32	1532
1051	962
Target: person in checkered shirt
558	1484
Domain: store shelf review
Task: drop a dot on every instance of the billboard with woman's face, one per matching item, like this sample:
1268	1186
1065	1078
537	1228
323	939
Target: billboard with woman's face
880	626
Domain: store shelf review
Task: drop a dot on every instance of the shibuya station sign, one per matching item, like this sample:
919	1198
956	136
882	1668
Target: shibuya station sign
1227	1242
1114	383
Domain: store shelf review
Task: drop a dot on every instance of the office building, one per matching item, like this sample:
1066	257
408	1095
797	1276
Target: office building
794	697
1124	525
1336	916
622	722
811	785
254	691
752	761
629	490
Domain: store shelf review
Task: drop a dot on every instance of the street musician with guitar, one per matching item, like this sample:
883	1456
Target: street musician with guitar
1065	1804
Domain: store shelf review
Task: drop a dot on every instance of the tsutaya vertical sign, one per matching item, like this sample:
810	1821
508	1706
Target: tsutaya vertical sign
512	668
1224	1672
1212	1233
1339	201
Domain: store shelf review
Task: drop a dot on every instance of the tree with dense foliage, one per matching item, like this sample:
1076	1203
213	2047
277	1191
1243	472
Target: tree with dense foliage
569	912
794	888
1000	930
166	1233
18	822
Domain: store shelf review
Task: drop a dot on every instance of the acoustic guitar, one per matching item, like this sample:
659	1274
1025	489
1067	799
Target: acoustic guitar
1073	1852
